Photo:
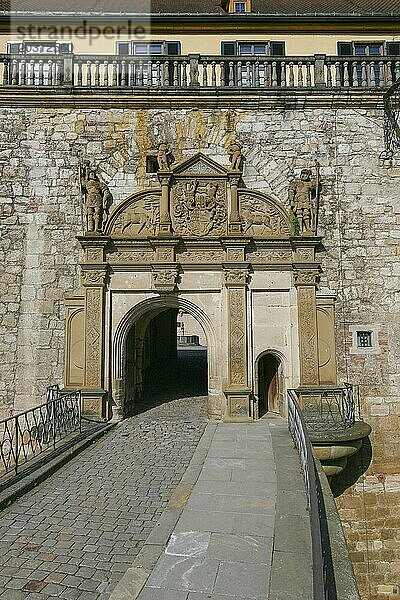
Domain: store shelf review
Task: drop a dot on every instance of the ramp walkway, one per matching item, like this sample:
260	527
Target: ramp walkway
244	531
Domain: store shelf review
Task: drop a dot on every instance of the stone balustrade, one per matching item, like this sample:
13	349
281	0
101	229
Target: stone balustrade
169	72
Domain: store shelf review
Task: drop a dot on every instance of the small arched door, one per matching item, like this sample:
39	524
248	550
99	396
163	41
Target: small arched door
270	384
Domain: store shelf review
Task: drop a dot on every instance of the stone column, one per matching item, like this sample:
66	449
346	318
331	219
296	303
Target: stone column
237	390
94	281
234	217
165	217
306	282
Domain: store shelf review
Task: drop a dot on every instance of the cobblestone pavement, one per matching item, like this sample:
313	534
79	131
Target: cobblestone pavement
76	535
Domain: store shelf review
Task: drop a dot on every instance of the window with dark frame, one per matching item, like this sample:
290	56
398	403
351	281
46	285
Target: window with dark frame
364	339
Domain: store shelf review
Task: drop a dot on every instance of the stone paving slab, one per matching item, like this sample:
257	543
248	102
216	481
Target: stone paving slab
242	535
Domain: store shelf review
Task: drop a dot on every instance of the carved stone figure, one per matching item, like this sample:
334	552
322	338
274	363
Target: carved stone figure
97	197
302	195
141	219
235	153
162	157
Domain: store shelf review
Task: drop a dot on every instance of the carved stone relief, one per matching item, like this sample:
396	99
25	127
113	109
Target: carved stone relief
269	256
91	278
93	337
201	256
165	280
132	256
236	276
306	277
261	218
237	337
308	336
199	208
139	219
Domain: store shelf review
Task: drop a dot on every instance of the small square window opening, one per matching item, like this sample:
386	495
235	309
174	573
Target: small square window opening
239	7
151	164
364	339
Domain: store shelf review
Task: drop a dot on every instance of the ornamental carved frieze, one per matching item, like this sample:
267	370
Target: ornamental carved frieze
93	334
132	256
199	207
306	277
236	277
165	280
139	219
260	217
237	337
94	278
269	256
201	256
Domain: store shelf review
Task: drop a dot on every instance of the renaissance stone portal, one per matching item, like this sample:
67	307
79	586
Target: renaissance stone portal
241	263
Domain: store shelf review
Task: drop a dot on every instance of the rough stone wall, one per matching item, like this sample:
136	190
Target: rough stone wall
41	213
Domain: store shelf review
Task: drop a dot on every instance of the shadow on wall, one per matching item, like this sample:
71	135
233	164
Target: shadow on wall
356	466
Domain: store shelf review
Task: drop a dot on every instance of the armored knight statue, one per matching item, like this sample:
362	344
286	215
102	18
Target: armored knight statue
303	199
97	197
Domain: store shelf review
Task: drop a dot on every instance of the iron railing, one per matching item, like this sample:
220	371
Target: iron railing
194	70
331	408
28	434
324	587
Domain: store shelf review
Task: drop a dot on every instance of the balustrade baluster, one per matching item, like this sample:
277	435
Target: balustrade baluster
31	73
79	73
372	77
355	74
329	74
123	73
114	73
6	72
300	74
97	73
149	73
291	74
274	75
166	73
364	81
14	72
23	72
267	74
337	75
214	74
105	77
50	78
381	74
389	79
140	74
231	82
205	74
346	80
239	74
40	73
89	73
283	74
256	78
308	74
131	73
184	74
58	73
248	74
397	69
175	76
158	72
222	73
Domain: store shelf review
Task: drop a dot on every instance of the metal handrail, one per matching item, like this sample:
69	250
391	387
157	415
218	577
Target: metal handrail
330	408
324	587
26	435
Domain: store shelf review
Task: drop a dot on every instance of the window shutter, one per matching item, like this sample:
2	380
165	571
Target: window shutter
345	49
393	48
228	48
123	48
173	48
277	48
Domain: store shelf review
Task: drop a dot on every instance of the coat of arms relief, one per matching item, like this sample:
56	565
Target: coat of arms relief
199	207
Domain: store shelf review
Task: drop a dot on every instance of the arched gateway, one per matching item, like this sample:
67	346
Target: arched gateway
230	257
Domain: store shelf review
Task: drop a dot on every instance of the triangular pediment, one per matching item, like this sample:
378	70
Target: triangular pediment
199	165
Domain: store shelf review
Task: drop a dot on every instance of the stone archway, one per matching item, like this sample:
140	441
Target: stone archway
133	327
269	382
